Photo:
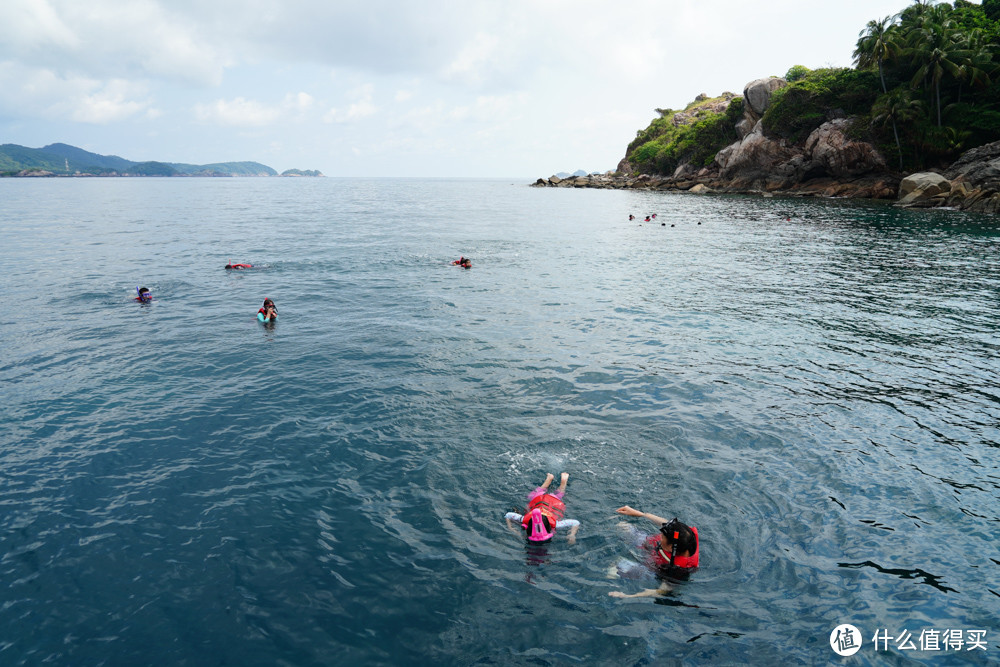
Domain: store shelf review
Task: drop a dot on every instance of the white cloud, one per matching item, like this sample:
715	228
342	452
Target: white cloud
111	39
476	58
42	92
299	102
109	104
360	107
241	112
25	24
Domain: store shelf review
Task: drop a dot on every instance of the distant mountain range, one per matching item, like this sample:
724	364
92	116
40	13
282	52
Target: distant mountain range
65	160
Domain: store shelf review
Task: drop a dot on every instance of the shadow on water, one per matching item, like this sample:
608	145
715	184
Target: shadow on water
924	577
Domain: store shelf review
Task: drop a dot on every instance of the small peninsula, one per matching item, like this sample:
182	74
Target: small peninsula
65	160
916	120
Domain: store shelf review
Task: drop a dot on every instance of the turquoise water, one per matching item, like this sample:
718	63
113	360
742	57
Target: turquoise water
814	385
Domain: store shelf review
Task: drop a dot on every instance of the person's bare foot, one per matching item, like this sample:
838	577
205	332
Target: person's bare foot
563	479
548	480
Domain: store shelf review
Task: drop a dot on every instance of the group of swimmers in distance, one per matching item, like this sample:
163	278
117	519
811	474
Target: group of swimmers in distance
672	553
651	218
267	313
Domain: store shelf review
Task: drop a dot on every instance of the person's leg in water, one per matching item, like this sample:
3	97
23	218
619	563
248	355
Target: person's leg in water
563	479
544	488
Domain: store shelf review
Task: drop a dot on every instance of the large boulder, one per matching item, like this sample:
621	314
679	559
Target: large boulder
625	167
833	151
923	189
757	94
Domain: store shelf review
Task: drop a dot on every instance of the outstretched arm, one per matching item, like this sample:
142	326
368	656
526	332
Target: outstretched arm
664	589
571	538
629	511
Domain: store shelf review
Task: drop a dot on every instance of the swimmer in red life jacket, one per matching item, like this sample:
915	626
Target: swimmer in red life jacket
230	265
673	552
544	514
144	295
463	262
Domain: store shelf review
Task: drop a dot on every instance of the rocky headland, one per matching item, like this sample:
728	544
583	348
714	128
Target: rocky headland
833	160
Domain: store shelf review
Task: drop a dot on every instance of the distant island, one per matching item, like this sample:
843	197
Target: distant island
66	160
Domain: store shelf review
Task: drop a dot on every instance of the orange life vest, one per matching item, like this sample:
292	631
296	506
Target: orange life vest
551	506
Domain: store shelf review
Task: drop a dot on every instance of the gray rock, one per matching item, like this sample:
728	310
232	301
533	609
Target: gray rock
978	167
840	156
757	94
921	189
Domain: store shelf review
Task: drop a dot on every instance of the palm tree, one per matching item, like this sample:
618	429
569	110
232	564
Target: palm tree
877	43
916	12
978	62
939	50
896	108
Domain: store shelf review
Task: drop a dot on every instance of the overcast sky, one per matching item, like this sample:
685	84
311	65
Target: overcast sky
505	88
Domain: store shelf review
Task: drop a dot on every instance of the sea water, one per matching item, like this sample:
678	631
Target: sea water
813	384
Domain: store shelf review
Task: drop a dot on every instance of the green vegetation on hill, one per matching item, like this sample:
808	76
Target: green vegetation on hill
818	96
925	88
80	159
692	136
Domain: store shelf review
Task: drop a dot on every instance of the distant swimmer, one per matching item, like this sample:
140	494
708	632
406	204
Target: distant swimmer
647	219
463	262
239	266
631	217
144	295
544	514
673	552
654	216
267	312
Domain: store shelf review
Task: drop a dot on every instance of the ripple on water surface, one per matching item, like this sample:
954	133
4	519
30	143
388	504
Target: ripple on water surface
811	384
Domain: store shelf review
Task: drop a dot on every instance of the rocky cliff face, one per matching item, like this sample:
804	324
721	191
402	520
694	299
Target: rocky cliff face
829	163
760	162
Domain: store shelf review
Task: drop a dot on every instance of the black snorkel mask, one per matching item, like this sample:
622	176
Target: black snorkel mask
672	531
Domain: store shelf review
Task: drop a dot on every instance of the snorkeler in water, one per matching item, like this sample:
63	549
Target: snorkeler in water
544	514
673	552
144	295
268	312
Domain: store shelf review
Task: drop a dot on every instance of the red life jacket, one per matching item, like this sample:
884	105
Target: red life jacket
550	506
660	558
